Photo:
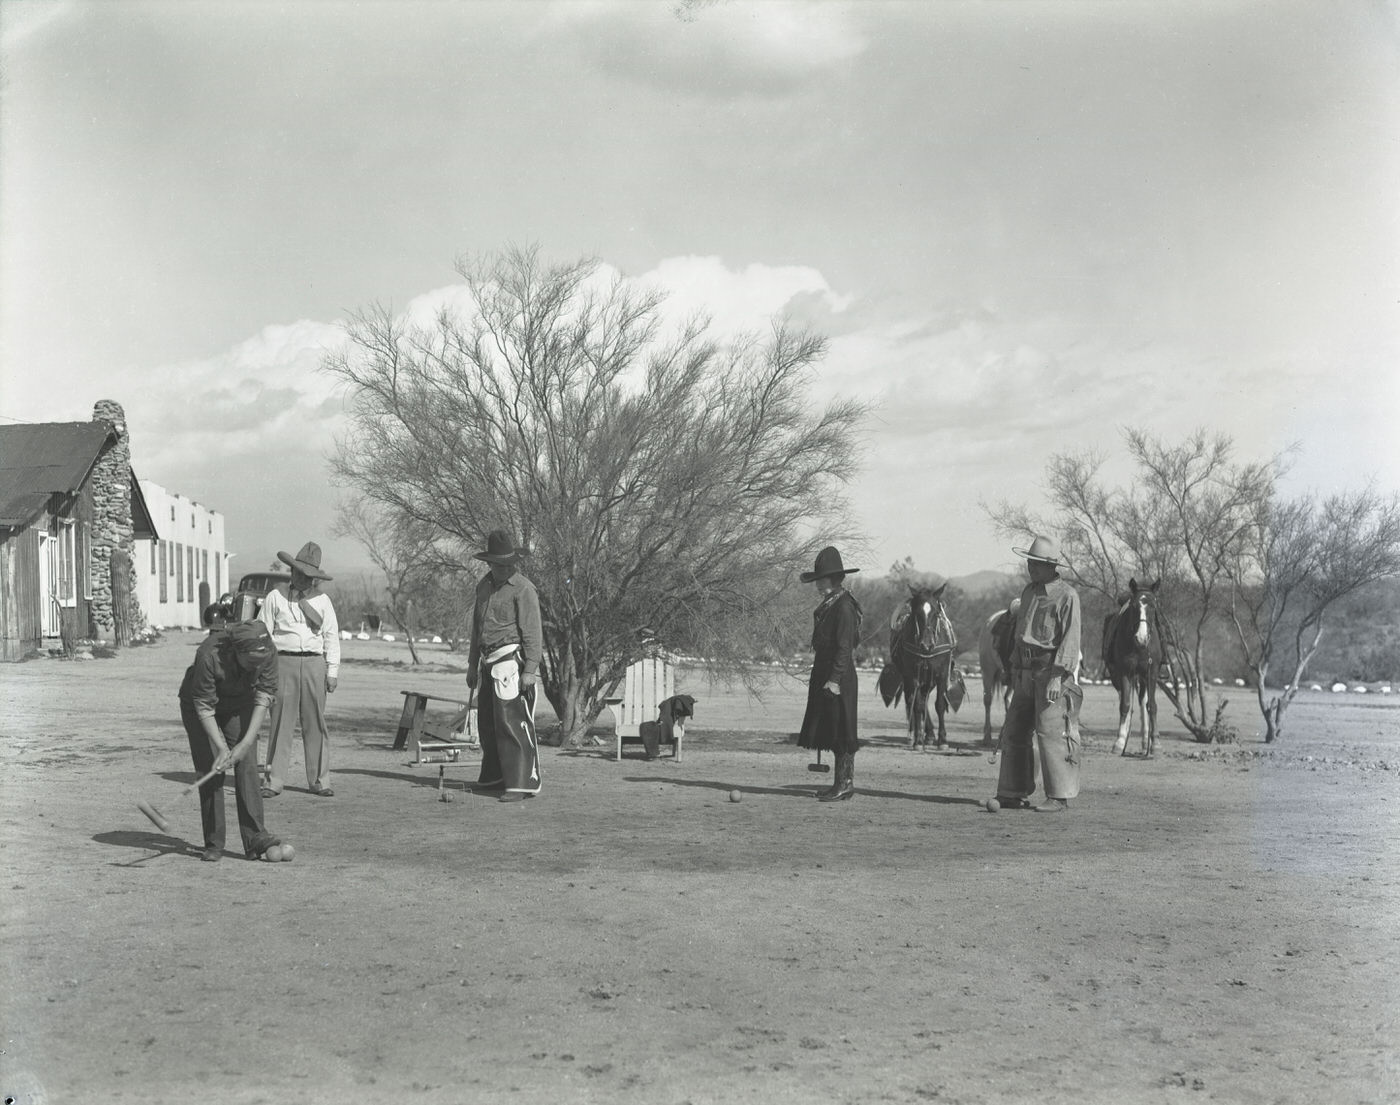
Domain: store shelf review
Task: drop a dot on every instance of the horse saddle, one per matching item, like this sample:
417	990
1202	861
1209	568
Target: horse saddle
890	684
957	689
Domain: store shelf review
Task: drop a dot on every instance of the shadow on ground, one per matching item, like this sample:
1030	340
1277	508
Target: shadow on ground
158	844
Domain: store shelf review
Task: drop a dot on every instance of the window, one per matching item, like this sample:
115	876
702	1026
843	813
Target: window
153	556
204	564
172	512
164	574
179	572
189	567
67	562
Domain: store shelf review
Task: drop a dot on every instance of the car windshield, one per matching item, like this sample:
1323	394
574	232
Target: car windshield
260	583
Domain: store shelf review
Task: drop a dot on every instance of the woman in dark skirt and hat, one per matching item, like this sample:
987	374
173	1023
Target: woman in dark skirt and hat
830	722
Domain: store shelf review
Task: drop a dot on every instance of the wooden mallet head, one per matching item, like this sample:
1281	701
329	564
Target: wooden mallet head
157	818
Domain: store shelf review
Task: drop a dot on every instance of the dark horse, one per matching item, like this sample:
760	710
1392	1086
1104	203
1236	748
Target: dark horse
921	651
1132	656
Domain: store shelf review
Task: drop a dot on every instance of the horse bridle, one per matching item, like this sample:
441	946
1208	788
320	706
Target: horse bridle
935	651
1148	614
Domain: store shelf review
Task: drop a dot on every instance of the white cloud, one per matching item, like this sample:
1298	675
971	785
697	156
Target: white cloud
422	311
263	395
968	404
737	301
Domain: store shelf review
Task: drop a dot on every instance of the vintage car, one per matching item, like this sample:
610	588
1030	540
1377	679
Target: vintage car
244	605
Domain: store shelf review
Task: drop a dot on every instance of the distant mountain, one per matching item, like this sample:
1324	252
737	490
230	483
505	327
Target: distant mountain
987	580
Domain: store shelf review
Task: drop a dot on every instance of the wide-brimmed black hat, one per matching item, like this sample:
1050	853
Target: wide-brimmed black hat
500	549
828	564
307	561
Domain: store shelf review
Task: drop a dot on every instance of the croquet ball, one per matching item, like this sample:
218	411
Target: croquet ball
273	854
992	805
736	795
287	853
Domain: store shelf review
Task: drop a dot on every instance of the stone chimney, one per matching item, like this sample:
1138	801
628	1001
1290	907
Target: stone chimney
112	531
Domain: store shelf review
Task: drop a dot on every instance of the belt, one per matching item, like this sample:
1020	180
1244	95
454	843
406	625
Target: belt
490	650
1029	654
284	653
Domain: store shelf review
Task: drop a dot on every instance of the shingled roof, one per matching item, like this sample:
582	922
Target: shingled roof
40	459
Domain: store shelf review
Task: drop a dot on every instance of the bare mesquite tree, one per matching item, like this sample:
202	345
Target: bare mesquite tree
669	485
1185	518
1297	560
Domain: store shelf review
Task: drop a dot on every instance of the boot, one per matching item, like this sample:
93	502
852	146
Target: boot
835	783
845	779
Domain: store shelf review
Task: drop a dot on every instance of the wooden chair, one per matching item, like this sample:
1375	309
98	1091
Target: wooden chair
645	686
440	741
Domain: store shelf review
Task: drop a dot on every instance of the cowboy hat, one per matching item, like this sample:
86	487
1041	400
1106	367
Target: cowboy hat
1042	548
307	561
828	564
500	549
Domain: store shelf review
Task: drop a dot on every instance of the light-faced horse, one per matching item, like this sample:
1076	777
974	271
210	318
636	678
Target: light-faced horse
922	644
1132	656
994	646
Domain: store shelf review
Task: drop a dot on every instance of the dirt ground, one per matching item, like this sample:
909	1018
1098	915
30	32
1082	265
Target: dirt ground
1208	925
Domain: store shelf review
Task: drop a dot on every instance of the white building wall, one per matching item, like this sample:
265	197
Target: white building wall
190	551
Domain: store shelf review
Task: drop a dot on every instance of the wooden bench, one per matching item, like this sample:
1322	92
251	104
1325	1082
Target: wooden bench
439	742
646	684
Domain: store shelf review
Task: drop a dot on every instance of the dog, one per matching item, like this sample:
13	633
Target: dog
669	725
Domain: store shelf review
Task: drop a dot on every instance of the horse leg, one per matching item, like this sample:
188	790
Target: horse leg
1140	695
912	710
940	706
1125	709
989	691
1150	747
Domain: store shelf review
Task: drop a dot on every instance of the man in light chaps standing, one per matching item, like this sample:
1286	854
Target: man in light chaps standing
1040	735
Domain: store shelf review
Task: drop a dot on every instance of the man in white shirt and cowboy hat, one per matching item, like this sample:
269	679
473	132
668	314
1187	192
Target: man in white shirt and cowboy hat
1040	730
307	637
507	647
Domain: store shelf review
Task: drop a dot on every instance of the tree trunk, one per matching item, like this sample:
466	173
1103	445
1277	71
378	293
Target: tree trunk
572	723
573	720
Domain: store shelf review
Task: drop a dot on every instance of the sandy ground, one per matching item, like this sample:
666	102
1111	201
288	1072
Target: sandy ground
1205	926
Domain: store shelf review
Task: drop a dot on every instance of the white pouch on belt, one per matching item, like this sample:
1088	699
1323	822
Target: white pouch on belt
505	674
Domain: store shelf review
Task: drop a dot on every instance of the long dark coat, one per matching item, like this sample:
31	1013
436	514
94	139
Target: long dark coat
830	721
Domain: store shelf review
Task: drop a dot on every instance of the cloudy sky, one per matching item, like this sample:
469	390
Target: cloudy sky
1022	225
